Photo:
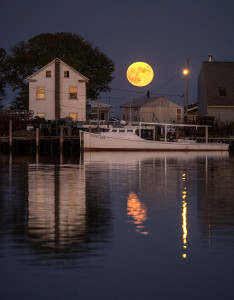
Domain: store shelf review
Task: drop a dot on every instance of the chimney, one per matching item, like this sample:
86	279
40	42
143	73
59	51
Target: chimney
210	57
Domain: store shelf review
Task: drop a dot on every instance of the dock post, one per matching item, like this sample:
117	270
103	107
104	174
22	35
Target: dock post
10	134
61	138
206	134
69	131
177	132
165	133
37	138
154	134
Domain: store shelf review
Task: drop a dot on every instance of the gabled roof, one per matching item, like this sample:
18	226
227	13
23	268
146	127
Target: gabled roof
52	62
95	104
218	75
147	101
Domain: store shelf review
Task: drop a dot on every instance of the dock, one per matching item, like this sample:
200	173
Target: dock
67	140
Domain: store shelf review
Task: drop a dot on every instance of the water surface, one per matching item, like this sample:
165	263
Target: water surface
117	225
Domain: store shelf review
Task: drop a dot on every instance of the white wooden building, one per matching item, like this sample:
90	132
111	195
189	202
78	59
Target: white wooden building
152	109
58	91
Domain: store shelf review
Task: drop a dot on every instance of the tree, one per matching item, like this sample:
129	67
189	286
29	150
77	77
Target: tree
28	57
2	75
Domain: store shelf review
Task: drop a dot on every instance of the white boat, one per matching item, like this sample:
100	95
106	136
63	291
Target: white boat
126	139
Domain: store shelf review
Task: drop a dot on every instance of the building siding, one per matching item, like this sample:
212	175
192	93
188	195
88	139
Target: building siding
216	90
151	110
58	88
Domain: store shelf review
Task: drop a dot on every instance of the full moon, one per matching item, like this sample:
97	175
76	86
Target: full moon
140	74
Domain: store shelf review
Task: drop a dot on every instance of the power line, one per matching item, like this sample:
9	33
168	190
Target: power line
165	83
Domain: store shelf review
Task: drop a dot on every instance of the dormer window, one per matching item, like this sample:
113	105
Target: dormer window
48	74
66	74
222	91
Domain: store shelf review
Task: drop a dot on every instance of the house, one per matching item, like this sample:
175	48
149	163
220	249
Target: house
58	91
95	108
216	90
151	109
192	112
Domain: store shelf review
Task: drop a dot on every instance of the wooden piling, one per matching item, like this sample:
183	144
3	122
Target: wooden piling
10	134
177	132
61	138
37	138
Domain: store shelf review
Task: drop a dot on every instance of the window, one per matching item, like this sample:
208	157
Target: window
222	91
41	115
48	74
40	93
66	74
73	116
178	114
73	92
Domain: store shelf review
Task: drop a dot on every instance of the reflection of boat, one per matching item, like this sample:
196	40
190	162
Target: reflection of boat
127	139
128	157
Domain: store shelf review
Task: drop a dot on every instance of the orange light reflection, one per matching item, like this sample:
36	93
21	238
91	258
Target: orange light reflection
184	216
138	212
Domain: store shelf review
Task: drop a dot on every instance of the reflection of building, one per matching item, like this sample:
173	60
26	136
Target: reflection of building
56	204
61	210
215	203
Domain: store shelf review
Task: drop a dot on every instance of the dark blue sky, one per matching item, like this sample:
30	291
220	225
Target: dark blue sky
163	34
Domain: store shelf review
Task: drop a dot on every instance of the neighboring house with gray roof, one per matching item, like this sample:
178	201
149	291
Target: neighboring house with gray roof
95	108
216	90
152	109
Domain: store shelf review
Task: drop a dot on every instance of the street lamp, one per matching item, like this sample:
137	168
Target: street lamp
186	73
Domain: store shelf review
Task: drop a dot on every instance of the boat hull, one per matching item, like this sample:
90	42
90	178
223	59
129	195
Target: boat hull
98	142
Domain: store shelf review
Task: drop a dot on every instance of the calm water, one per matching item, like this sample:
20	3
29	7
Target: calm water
117	226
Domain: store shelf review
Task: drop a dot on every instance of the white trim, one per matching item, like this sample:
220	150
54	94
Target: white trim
52	62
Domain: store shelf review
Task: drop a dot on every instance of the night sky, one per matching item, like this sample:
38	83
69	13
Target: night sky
161	33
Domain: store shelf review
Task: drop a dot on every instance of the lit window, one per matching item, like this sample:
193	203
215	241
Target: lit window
73	92
48	74
40	93
74	116
41	115
66	74
222	91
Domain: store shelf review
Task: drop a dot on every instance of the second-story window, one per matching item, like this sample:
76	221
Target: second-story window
222	91
48	74
66	74
73	92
